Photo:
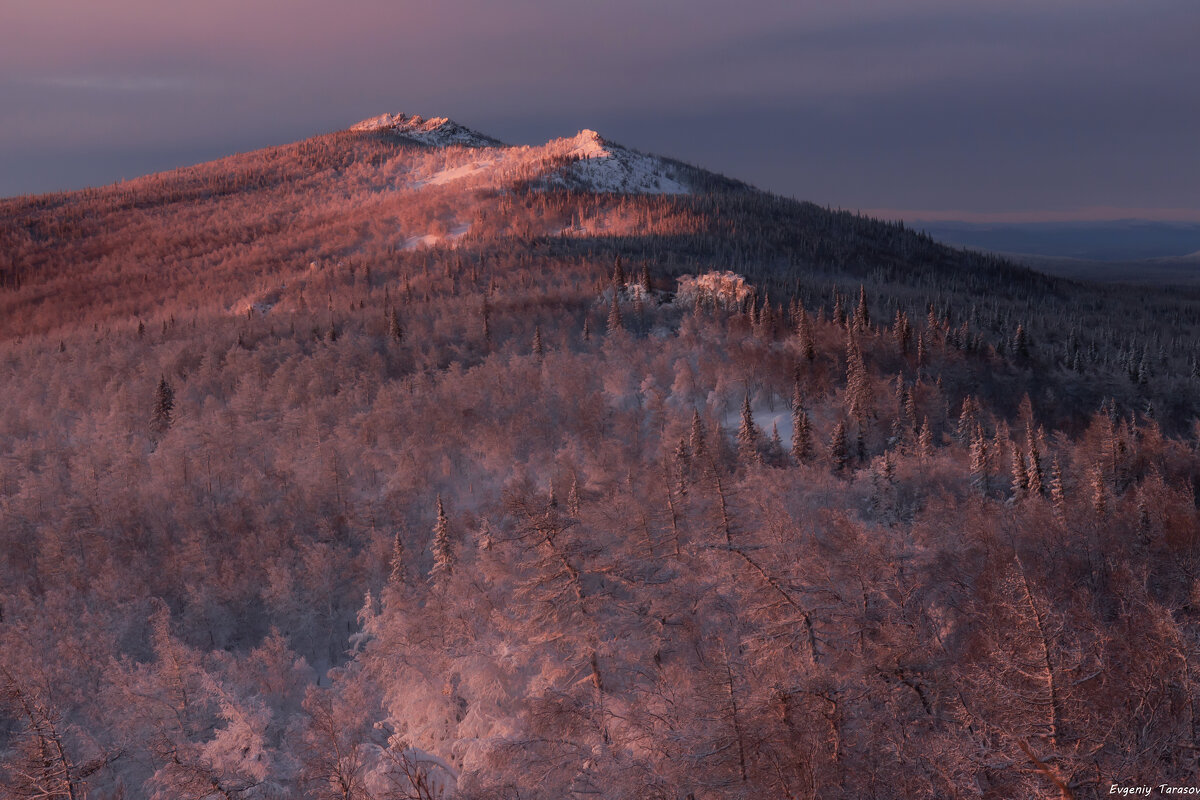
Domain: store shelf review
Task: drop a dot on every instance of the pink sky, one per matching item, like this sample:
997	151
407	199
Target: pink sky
1014	110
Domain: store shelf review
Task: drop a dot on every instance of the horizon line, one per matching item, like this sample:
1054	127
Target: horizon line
1085	214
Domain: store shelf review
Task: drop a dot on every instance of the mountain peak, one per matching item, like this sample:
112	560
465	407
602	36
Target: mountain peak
434	131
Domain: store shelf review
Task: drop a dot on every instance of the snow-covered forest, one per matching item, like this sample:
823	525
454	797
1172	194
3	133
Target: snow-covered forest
373	467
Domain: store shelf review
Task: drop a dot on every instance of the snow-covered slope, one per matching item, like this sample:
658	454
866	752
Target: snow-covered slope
602	166
584	162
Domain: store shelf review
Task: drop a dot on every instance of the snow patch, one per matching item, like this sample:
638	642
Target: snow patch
452	174
433	239
765	419
255	304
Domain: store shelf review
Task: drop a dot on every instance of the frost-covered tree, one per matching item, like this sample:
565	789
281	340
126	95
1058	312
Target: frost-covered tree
444	557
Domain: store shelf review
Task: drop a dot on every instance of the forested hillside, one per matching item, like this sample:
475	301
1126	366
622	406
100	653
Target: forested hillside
379	466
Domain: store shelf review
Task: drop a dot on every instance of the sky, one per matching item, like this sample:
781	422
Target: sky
917	109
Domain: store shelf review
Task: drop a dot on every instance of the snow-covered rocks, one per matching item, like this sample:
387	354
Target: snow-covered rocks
435	131
601	166
724	289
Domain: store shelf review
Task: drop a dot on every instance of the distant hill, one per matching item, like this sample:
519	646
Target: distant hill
1134	251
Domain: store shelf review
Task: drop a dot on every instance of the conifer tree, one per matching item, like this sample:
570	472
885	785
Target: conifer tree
858	382
1020	475
966	419
1036	475
747	436
902	332
862	314
573	496
804	336
925	440
979	462
539	351
1058	495
396	576
776	444
1021	342
837	446
443	548
683	465
164	407
696	442
801	429
614	316
1099	491
396	331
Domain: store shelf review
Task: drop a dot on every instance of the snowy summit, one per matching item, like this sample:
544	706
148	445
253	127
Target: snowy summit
584	162
435	131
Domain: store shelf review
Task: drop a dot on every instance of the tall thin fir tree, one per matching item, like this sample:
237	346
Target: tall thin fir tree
683	466
396	576
1058	494
1034	459
696	441
925	440
980	478
804	336
614	316
862	314
858	382
747	436
801	429
164	407
1020	474
775	447
443	549
396	330
573	496
837	447
539	350
1099	491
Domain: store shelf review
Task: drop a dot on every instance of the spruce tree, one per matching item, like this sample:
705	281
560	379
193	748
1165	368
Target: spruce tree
925	440
804	336
858	383
614	316
837	446
164	407
1036	476
539	351
801	429
747	436
396	331
573	496
396	576
443	548
1020	475
1058	495
696	441
979	462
